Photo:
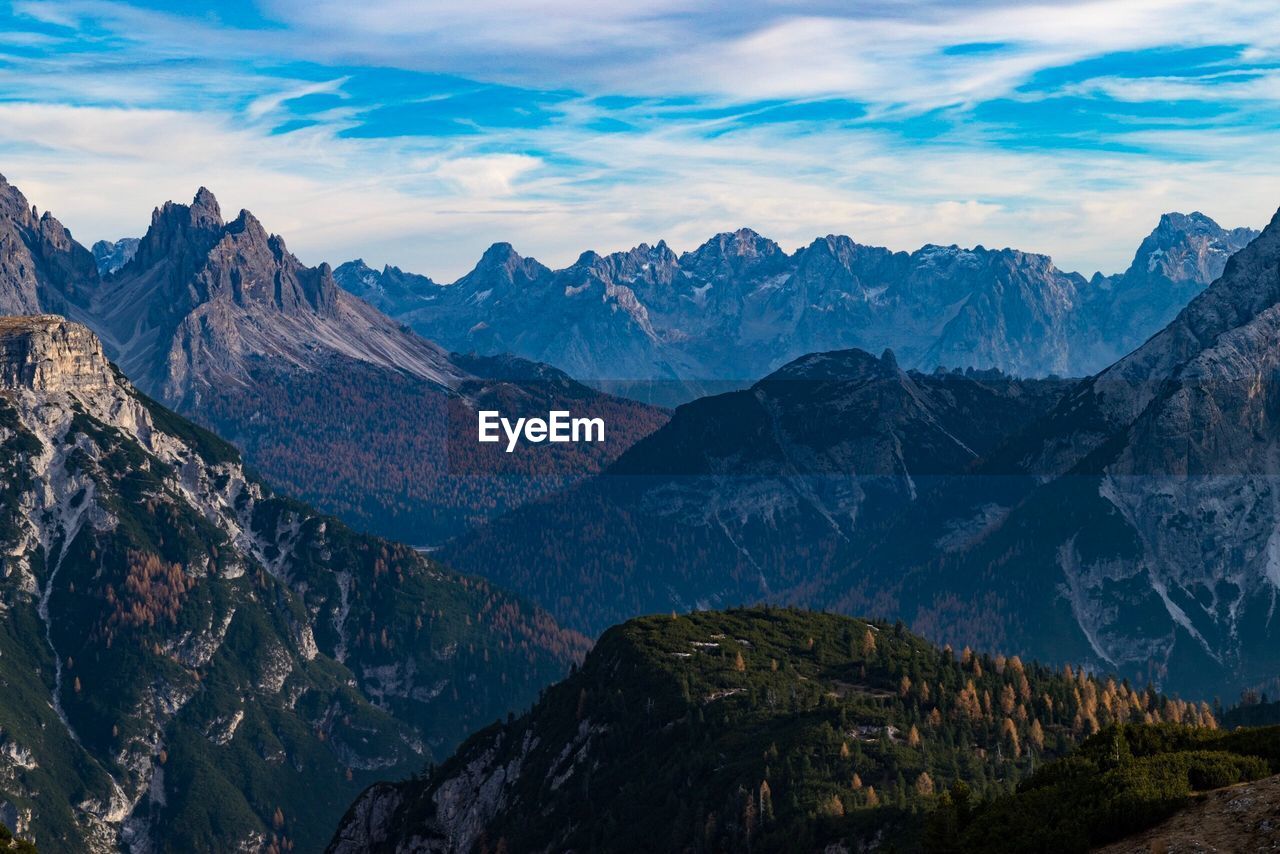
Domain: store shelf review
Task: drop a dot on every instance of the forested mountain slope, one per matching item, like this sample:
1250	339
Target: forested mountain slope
762	729
192	662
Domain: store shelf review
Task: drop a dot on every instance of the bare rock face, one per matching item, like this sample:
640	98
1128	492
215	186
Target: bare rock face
203	299
45	352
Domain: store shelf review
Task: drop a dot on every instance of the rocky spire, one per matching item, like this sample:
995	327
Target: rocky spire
41	267
181	233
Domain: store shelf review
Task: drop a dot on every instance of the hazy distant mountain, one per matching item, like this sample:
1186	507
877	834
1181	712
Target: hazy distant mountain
112	256
191	663
388	290
739	306
1174	263
330	398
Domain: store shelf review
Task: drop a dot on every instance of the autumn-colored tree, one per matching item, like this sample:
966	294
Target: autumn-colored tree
1009	734
1036	735
868	642
153	591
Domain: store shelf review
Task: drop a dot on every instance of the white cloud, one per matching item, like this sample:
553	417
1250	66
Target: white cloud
102	170
433	204
887	54
491	175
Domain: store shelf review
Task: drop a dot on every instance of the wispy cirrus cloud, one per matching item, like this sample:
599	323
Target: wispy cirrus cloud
417	133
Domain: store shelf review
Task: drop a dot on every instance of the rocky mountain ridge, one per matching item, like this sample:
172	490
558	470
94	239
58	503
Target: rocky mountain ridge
41	266
651	322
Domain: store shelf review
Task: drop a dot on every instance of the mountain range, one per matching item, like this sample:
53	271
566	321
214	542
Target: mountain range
1126	521
666	327
330	399
193	663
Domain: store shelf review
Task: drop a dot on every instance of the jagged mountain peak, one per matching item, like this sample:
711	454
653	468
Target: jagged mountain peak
734	253
13	203
742	243
1177	219
509	267
204	201
656	262
180	234
1186	248
246	223
203	213
203	300
501	253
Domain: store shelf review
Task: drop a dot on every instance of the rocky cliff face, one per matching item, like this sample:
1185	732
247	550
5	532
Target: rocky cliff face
193	663
738	307
45	353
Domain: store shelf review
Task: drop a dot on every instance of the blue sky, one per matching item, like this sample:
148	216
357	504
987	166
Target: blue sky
418	133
